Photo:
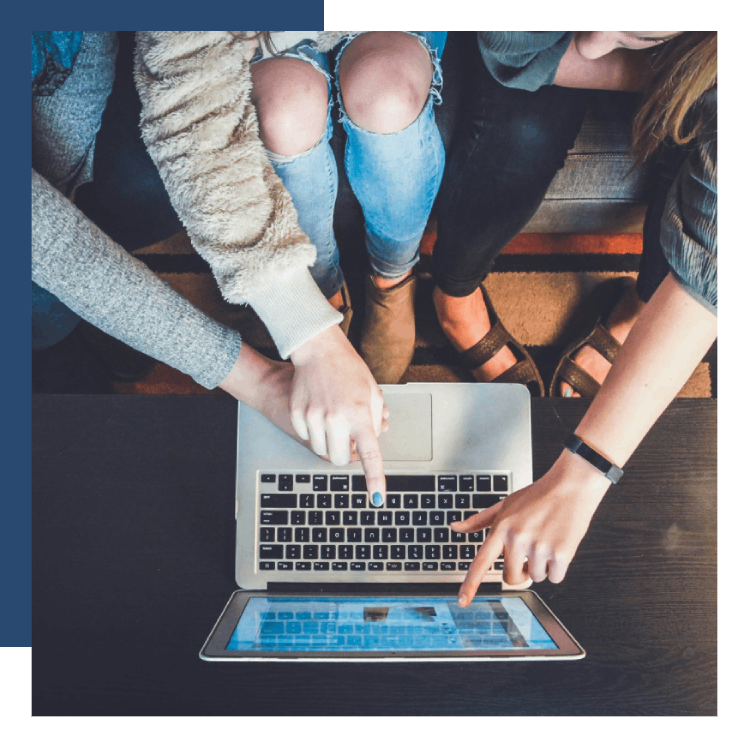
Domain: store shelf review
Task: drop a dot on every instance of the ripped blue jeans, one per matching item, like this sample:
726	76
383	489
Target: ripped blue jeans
394	176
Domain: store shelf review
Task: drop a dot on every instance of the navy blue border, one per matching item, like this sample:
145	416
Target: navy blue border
15	532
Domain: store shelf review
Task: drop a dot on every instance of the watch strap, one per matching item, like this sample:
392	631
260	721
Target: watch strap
601	463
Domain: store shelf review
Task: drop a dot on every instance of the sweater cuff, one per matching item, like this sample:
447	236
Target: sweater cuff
293	309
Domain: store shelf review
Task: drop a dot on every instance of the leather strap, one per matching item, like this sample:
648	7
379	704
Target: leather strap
601	463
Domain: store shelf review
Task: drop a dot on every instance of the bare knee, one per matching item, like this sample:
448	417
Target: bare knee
291	99
385	80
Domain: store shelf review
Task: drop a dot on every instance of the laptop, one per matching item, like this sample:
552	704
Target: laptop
325	575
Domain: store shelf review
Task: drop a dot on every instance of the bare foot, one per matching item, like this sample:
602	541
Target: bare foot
465	322
619	323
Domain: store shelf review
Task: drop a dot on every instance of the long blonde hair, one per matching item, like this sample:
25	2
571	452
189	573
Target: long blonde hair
683	69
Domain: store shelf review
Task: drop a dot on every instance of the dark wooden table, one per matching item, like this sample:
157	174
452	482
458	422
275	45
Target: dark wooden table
133	539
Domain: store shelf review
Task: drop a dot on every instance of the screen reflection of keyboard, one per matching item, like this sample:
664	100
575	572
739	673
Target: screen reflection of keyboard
324	522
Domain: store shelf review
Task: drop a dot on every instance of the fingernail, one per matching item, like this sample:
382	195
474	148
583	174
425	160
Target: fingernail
377	499
567	392
463	601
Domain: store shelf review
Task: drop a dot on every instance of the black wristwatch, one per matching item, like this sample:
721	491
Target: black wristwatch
602	464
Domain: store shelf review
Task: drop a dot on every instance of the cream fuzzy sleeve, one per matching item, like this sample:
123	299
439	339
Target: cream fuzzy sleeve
201	130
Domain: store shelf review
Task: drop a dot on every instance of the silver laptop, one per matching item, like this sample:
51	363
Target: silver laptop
302	523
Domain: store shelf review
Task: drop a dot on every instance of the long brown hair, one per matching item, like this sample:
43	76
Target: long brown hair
682	70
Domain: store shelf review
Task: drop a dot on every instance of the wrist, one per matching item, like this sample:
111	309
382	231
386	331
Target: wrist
247	377
581	476
318	345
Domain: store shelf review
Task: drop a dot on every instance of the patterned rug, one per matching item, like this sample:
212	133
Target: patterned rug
536	286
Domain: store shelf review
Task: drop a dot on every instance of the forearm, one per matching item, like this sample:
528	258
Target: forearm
620	70
669	339
100	281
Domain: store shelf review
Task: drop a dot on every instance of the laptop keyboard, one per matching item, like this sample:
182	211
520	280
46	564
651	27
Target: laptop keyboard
324	523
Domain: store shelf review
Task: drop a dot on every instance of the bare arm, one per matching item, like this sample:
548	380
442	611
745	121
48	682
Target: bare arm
546	521
620	70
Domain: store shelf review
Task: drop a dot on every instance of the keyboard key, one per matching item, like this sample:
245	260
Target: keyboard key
500	483
354	535
393	566
415	552
437	518
284	566
447	483
340	566
393	501
427	501
450	551
328	551
268	478
484	500
466	483
367	518
398	552
362	552
431	551
310	551
339	483
302	566
341	500
333	518
463	501
303	478
419	518
271	551
315	518
286	483
284	534
458	537
350	518
336	534
406	535
447	566
424	535
411	501
429	566
298	518
274	518
301	534
484	483
380	551
498	566
466	551
375	566
441	534
324	501
307	501
402	518
319	534
267	534
293	551
267	565
445	500
476	537
357	565
359	501
463	565
402	483
411	566
278	500
320	482
321	566
385	518
389	534
346	551
452	517
372	535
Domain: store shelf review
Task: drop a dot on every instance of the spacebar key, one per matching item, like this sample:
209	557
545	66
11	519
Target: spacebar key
399	483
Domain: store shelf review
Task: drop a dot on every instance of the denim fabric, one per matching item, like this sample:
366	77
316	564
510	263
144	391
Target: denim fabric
394	176
503	160
64	128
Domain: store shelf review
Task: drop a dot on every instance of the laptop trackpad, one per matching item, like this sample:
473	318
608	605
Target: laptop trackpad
410	434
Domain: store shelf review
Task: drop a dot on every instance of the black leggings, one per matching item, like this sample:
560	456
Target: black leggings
509	150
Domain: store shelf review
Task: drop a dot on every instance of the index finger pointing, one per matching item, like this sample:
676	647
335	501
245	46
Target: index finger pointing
368	449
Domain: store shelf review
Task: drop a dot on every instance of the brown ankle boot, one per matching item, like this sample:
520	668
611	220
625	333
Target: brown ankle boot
388	332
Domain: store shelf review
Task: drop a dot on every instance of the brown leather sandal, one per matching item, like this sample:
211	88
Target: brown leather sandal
598	337
522	372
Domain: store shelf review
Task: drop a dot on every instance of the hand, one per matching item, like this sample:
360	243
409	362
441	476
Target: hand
539	528
335	402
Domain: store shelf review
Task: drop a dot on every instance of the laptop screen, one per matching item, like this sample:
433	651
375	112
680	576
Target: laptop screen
379	624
